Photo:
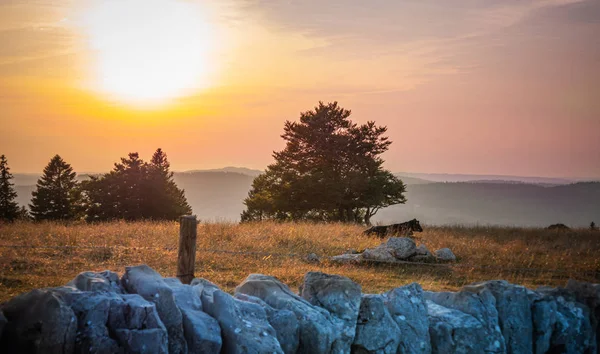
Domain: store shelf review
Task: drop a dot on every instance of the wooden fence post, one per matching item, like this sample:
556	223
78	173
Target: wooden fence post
186	258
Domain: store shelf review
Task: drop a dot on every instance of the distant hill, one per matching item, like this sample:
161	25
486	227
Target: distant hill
218	195
445	177
412	180
242	170
499	204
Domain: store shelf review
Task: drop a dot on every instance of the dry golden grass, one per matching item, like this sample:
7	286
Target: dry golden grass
484	253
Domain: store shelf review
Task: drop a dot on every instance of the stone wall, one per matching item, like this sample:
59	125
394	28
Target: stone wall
142	312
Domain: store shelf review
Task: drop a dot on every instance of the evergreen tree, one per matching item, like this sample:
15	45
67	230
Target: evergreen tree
23	214
9	209
168	201
56	194
330	170
135	190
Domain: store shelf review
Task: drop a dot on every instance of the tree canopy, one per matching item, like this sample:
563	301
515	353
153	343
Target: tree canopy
56	195
9	209
329	170
135	190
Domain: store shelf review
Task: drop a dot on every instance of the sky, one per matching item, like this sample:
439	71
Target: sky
464	86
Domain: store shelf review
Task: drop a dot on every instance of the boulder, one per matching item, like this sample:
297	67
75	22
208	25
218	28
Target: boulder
146	282
453	331
92	311
111	323
347	258
341	297
422	259
3	322
422	255
401	247
312	258
135	313
422	250
376	331
573	331
481	305
38	322
514	313
408	309
284	322
588	294
445	255
544	317
244	325
380	253
142	341
317	330
205	290
202	332
97	281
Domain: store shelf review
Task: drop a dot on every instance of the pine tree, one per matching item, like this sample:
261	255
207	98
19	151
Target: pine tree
9	209
135	190
168	201
55	197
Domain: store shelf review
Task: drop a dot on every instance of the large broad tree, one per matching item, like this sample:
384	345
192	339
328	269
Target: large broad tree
330	170
9	209
135	190
56	196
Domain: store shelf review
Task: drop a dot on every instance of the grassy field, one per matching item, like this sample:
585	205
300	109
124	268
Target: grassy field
484	253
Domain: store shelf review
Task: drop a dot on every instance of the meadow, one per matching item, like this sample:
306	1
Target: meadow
527	256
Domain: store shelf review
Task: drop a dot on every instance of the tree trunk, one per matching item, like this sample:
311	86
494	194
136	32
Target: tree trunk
368	217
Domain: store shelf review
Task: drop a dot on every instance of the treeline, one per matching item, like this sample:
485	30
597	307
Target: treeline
133	190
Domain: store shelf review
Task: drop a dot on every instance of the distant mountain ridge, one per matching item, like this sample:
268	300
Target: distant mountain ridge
448	177
217	195
242	170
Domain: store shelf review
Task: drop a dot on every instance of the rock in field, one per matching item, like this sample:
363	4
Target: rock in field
445	255
380	253
401	247
347	258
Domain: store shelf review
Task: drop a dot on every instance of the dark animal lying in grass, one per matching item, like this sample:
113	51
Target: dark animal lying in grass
558	227
403	229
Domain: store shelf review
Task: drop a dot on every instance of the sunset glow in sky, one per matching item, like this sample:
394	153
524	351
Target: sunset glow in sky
475	87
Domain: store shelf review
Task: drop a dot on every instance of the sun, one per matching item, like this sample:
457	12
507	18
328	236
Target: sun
148	52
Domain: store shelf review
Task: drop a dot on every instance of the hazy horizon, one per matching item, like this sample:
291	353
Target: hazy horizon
401	173
485	88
